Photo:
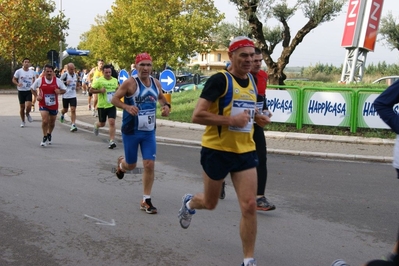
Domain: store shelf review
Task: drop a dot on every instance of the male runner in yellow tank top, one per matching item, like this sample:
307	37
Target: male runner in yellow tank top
227	106
93	75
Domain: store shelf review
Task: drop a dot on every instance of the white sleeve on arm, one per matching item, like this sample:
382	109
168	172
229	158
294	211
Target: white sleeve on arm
36	84
61	84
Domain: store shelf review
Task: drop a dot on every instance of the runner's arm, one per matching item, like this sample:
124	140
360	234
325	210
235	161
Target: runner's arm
127	88
162	100
384	105
34	88
61	87
96	88
89	76
15	81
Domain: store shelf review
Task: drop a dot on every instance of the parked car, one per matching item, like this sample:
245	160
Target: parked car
183	80
386	80
199	86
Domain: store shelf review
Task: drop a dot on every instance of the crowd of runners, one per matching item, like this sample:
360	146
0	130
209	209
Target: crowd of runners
232	106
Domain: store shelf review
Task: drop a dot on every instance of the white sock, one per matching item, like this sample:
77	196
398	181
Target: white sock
188	205
146	197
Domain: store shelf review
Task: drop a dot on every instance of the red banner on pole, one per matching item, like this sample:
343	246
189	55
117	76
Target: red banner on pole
370	24
352	24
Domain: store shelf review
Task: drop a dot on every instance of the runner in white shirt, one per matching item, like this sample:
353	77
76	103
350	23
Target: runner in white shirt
70	79
24	78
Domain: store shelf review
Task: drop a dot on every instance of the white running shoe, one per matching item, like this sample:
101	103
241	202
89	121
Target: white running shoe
22	124
43	143
250	263
30	119
339	263
184	213
112	144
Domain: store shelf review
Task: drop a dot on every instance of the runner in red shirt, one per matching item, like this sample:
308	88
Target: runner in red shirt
259	136
47	89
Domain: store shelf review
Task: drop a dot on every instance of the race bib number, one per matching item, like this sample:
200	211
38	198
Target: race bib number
49	99
239	107
146	120
26	83
72	86
109	96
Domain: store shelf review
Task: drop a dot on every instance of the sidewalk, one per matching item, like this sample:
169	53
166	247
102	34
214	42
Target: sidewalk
314	145
289	143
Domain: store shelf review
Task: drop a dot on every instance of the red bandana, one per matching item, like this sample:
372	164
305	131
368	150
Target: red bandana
142	57
240	42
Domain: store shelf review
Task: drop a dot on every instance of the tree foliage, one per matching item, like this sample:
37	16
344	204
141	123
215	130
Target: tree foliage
95	40
316	12
330	73
227	31
169	30
29	29
390	31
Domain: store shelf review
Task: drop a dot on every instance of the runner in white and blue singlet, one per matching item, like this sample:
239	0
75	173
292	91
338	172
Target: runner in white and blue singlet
140	95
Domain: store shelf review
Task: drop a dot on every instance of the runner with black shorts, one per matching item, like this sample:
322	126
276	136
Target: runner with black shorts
70	79
105	88
24	78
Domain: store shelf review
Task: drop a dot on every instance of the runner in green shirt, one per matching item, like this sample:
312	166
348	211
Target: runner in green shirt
105	87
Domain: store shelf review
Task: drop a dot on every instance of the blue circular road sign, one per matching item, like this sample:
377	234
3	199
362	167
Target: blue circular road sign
123	75
168	80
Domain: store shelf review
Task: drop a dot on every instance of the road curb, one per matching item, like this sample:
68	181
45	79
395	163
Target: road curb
324	155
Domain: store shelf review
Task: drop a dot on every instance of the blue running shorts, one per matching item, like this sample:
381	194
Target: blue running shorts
146	141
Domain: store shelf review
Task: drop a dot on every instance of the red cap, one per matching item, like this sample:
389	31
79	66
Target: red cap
240	42
142	57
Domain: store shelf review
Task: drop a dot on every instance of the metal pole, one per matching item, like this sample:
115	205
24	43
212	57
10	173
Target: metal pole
60	53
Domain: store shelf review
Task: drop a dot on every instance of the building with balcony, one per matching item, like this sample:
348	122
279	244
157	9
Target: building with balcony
210	62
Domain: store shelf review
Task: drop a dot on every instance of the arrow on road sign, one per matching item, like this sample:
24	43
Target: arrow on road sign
168	80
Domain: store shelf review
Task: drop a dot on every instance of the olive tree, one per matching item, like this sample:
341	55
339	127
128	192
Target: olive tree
258	12
389	30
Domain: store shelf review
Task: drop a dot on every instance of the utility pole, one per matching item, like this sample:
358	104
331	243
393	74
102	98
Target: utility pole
60	53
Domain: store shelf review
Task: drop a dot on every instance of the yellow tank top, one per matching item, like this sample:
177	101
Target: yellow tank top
235	100
97	74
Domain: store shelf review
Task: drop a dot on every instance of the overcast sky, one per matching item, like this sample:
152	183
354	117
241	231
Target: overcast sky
322	45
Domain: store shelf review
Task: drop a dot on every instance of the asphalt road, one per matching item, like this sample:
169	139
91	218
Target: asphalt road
61	205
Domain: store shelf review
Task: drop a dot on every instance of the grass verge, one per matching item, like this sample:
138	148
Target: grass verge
183	105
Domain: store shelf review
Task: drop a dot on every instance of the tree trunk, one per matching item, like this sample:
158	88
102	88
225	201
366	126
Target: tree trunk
275	70
276	76
13	66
